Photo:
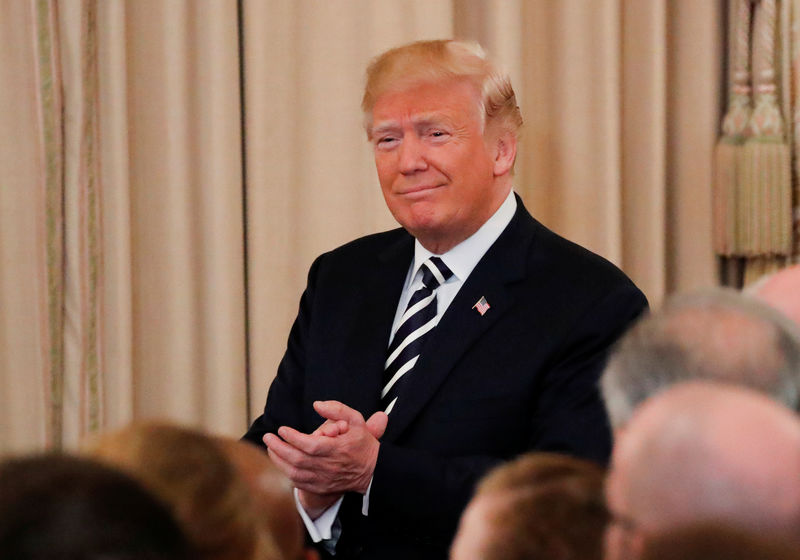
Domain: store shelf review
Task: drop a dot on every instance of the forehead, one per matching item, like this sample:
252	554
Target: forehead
453	99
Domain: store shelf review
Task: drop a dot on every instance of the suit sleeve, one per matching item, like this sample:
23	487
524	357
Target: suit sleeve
285	397
429	491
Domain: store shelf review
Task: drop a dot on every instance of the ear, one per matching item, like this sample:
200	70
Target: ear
505	151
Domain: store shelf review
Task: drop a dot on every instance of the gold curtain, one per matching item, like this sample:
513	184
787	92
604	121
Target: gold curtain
757	210
122	260
170	168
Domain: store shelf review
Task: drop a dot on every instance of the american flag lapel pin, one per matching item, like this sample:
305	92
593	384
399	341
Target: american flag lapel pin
482	306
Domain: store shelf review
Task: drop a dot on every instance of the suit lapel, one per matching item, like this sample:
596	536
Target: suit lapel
503	264
373	322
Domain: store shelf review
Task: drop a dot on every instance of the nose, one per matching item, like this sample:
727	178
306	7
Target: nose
412	155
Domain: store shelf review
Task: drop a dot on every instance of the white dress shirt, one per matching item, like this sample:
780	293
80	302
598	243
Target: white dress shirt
461	259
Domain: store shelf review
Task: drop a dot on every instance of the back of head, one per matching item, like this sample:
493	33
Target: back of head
191	474
704	451
540	506
716	542
440	60
66	508
272	493
714	335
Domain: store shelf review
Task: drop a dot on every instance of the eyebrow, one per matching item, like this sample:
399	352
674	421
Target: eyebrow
424	119
384	127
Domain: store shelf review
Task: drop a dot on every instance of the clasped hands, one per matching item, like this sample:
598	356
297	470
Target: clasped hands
337	457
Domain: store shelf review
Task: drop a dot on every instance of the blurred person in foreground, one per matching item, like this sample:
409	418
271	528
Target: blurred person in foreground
423	356
714	541
57	507
272	492
781	290
714	334
704	452
541	506
189	471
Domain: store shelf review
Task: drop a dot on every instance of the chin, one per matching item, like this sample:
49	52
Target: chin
423	225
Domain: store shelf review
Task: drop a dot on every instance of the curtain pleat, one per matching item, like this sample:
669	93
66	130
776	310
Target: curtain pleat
186	218
117	285
30	270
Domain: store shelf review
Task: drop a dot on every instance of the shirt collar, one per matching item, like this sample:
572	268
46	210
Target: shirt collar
462	258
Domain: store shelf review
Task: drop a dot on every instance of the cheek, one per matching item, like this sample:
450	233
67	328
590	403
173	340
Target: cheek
387	170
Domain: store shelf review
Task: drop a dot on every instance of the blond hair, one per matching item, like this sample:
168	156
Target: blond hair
443	59
189	472
544	505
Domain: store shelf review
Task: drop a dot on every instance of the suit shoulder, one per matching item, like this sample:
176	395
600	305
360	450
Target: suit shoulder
570	264
363	250
373	242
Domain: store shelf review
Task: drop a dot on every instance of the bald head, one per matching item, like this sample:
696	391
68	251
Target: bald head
717	335
708	452
781	291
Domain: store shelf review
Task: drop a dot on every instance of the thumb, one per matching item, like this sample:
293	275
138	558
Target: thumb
376	424
335	411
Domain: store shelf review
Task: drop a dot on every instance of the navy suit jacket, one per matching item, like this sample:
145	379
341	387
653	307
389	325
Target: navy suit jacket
486	388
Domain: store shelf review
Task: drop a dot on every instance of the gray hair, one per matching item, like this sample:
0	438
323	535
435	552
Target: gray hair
715	334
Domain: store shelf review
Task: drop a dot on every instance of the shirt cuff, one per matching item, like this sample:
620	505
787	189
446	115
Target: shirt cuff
319	529
365	501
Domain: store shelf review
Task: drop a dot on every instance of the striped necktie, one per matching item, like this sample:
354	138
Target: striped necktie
417	321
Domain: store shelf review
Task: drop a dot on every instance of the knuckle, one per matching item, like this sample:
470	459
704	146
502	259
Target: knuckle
298	475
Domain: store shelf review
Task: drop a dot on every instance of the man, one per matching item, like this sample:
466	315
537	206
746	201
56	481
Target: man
541	506
716	335
478	331
781	290
704	452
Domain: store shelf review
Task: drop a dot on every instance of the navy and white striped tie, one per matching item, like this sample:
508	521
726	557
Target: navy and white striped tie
415	324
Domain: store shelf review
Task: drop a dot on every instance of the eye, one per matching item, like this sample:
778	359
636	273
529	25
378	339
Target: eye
438	135
385	142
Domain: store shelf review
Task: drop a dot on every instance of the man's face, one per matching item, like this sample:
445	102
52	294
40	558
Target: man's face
435	169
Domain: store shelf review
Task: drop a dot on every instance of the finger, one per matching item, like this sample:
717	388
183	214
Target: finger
322	427
332	429
287	452
309	444
334	410
376	425
302	479
295	475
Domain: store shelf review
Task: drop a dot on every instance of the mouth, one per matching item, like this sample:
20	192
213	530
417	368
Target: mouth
418	190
